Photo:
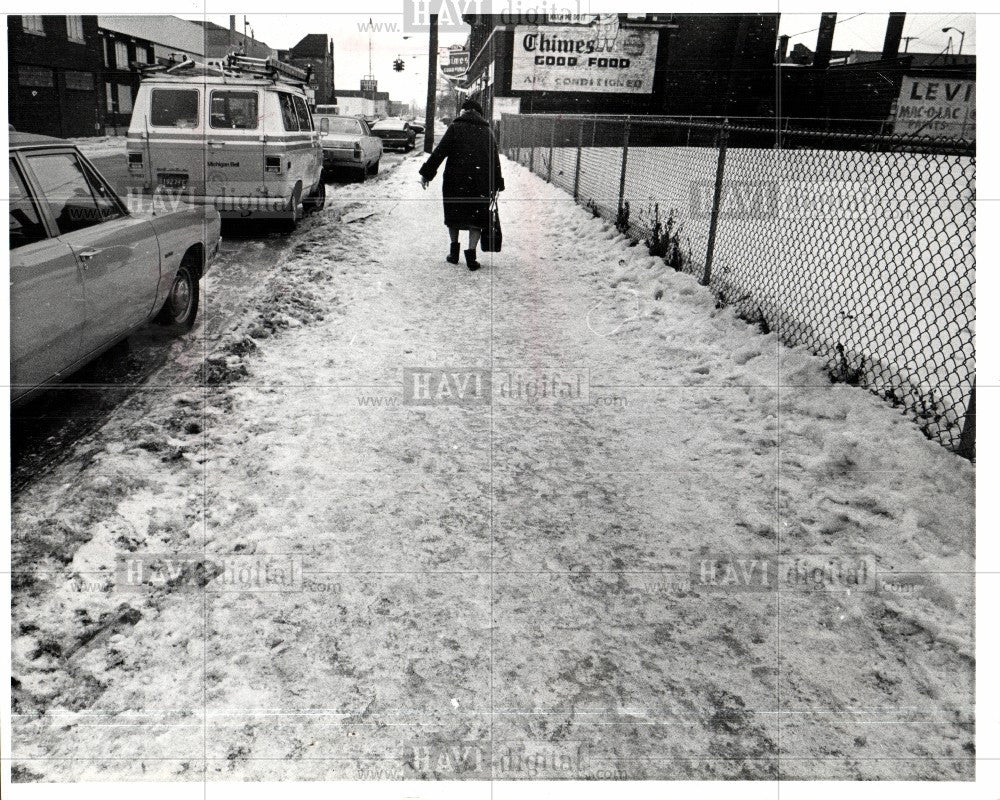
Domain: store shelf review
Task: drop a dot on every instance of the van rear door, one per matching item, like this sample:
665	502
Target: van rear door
234	162
176	135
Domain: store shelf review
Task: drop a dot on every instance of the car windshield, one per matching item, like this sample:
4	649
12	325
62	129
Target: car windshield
343	125
389	125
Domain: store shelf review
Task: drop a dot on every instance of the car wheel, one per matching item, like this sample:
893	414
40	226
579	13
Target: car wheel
181	307
289	223
316	199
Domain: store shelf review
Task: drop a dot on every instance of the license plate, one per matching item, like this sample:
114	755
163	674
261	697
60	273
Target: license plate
173	180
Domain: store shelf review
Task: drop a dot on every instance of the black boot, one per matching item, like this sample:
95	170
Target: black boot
453	253
470	260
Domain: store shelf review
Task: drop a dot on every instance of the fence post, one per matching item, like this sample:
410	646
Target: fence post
579	149
552	143
531	155
621	179
716	203
967	444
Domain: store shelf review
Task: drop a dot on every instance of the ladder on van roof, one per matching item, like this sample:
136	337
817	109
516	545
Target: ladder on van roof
232	65
268	68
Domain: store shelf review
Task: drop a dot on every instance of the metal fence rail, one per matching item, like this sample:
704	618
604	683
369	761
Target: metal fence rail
859	246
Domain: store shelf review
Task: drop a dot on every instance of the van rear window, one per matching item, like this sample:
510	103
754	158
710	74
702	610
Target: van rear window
174	108
236	110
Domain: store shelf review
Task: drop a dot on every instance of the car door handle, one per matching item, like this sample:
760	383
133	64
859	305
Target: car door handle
215	144
86	255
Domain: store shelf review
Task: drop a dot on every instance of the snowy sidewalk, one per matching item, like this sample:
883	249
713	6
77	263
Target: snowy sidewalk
506	588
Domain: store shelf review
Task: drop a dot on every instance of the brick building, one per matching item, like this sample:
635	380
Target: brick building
314	50
139	39
54	78
668	64
220	42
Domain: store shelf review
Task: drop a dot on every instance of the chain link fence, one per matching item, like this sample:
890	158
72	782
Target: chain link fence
858	245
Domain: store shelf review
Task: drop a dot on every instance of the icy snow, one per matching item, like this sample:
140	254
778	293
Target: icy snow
508	573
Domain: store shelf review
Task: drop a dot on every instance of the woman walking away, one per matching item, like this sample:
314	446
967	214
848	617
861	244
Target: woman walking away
471	177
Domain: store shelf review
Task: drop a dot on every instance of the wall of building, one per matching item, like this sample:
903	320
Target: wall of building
705	65
53	81
858	97
170	34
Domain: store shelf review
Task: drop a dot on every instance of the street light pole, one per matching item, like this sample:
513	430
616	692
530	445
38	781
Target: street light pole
431	85
961	41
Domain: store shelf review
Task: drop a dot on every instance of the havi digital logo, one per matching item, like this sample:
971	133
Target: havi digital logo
417	13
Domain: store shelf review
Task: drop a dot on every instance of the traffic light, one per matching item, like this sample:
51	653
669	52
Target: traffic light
399	65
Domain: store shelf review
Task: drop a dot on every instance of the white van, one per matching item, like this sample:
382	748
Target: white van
240	138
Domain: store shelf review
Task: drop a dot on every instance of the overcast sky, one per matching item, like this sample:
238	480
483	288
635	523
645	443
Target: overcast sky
351	38
350	47
866	31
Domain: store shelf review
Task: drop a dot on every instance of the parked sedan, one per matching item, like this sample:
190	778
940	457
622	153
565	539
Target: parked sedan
85	270
348	143
395	133
417	127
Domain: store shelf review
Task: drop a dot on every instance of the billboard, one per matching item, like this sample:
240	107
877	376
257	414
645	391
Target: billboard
566	58
936	107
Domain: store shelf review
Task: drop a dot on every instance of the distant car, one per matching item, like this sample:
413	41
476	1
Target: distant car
348	143
417	127
395	133
85	271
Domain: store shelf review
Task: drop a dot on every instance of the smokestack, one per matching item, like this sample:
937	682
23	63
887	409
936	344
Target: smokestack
824	41
893	35
782	48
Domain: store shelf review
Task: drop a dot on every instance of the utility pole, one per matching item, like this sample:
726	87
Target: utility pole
908	39
431	85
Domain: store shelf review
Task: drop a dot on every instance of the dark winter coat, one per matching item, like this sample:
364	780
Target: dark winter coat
471	173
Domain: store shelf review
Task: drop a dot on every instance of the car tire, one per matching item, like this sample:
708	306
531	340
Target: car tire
181	306
374	169
316	199
290	223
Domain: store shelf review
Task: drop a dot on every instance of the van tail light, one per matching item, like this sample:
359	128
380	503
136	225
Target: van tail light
135	162
272	163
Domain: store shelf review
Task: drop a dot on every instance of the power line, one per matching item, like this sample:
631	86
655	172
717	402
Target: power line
839	22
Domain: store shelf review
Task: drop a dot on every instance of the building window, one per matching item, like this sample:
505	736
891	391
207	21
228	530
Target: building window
124	98
141	54
121	55
80	80
109	95
36	77
32	23
107	52
74	28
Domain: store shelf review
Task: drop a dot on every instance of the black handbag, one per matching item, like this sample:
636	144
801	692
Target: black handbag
492	237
